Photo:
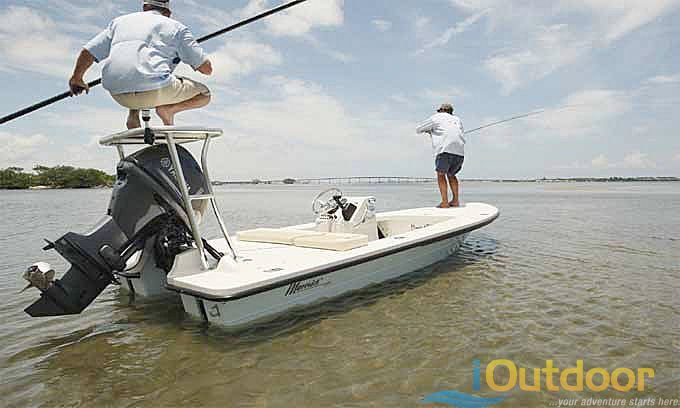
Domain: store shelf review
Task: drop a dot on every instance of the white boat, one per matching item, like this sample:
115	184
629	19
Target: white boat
288	268
151	241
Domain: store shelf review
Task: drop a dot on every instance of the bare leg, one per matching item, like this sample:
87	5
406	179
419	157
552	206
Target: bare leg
133	121
167	112
443	190
455	189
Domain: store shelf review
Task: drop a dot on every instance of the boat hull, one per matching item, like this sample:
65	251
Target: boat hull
266	305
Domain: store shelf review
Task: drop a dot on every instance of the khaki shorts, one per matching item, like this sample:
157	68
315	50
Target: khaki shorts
179	90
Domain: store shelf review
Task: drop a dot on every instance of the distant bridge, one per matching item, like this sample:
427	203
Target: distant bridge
366	180
339	180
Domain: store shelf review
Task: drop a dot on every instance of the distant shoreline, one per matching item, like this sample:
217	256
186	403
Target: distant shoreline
422	180
43	188
583	180
386	180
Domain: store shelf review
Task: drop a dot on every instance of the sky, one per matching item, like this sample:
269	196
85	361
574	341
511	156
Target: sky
337	88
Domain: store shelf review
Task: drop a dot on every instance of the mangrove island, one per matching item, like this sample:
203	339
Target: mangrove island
16	178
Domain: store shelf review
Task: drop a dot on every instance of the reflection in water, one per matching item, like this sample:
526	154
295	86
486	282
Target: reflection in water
577	274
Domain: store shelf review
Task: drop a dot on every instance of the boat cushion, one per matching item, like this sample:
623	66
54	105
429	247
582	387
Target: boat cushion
274	235
332	241
305	239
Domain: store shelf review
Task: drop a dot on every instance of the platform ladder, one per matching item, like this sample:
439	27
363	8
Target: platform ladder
173	135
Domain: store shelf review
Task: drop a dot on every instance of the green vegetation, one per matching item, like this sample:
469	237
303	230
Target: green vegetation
54	177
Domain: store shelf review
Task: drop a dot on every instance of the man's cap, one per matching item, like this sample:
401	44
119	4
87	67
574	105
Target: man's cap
158	3
446	107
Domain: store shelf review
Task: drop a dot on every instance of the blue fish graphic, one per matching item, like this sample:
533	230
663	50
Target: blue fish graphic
461	400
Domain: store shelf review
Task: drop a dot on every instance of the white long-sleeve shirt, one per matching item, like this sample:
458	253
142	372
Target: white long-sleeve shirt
446	132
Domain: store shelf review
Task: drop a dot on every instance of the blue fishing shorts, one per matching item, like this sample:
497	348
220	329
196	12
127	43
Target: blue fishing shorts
448	163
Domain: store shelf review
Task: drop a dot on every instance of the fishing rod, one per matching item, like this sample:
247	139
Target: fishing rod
522	116
488	125
96	82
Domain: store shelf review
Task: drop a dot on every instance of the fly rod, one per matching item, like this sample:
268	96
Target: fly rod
96	82
488	125
522	116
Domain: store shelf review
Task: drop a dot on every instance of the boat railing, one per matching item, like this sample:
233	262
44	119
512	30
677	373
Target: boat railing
181	135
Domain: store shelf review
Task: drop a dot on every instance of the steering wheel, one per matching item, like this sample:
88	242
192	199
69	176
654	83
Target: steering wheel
324	201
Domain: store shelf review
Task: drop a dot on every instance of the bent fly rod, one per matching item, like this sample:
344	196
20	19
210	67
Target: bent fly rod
96	82
488	125
522	116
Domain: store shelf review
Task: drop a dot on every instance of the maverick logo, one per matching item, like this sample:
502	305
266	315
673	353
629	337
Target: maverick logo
301	286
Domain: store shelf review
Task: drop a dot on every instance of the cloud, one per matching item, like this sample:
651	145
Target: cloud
213	18
600	162
555	34
80	148
622	17
664	79
84	10
32	41
299	127
400	98
77	16
294	22
340	56
581	113
421	24
637	160
100	121
610	19
301	19
26	151
240	58
18	148
631	161
458	28
235	59
551	48
382	25
293	128
428	97
443	95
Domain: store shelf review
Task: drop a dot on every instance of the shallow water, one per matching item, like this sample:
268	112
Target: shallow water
568	272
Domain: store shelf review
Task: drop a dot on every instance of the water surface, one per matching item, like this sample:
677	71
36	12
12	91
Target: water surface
569	271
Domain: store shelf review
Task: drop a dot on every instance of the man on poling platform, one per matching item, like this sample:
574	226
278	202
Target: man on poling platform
140	52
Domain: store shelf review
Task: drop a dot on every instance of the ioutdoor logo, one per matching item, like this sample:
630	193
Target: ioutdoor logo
573	379
570	379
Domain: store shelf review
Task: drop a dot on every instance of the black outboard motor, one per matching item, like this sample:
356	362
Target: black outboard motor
146	204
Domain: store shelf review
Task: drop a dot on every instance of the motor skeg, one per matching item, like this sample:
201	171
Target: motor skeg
144	202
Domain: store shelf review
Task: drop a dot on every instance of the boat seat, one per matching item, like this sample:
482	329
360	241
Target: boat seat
274	235
332	241
305	239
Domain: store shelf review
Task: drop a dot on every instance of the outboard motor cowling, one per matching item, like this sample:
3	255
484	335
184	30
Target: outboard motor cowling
146	202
